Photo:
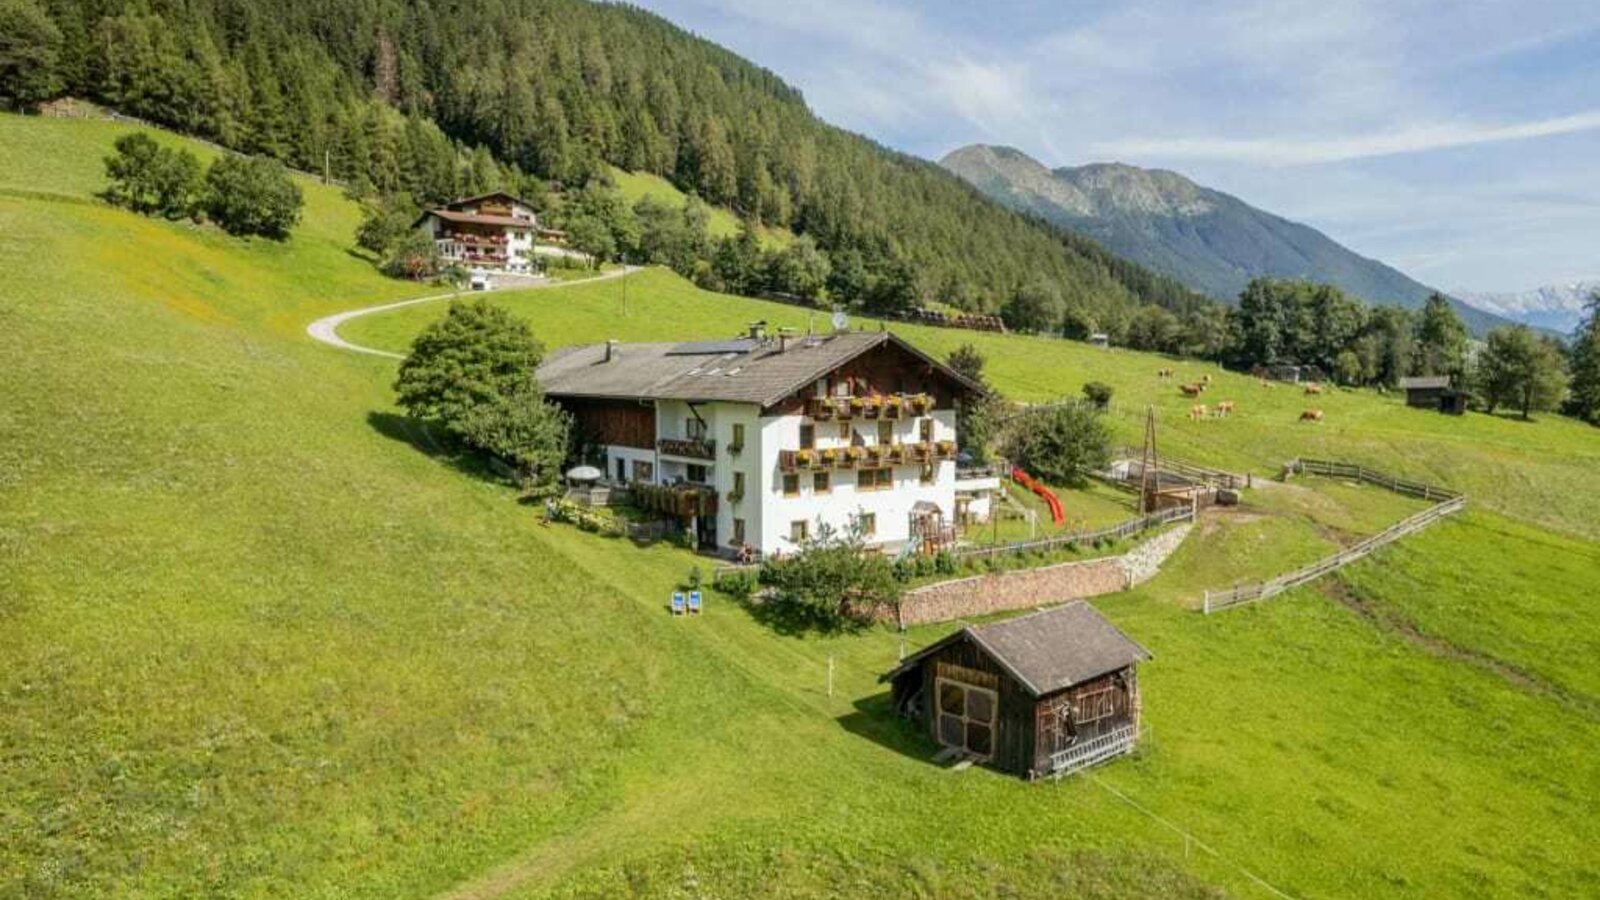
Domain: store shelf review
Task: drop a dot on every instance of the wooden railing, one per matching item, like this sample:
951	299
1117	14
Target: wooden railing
1095	750
876	455
692	448
1449	502
890	406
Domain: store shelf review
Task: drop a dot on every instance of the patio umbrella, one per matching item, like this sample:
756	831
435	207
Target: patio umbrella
583	473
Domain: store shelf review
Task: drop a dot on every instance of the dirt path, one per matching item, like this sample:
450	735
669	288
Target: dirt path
326	329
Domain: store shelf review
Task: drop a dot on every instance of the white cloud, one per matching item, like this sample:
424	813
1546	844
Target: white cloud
1281	151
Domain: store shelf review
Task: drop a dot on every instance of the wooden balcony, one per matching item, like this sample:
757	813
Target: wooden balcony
866	457
688	449
874	406
675	500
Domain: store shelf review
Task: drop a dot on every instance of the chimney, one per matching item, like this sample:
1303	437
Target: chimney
611	350
758	330
783	338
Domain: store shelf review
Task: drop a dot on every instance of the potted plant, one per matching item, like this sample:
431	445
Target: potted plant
921	402
893	406
805	458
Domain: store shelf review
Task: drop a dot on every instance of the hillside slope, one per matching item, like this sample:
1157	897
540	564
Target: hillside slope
563	89
1211	241
264	637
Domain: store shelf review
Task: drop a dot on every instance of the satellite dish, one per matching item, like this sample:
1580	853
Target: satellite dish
840	320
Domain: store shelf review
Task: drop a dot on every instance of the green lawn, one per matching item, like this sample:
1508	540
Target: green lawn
258	639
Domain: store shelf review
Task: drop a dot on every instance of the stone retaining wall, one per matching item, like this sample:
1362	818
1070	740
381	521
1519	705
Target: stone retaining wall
1047	586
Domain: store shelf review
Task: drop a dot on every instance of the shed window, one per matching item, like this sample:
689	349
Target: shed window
967	717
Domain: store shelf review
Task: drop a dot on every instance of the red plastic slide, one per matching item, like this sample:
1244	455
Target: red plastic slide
1050	499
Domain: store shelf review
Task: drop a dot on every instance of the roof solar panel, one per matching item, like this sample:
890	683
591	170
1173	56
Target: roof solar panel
713	348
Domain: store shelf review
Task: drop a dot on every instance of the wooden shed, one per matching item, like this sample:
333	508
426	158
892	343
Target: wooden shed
1436	393
1042	694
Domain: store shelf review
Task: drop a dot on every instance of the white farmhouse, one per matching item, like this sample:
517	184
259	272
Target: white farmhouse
494	231
758	441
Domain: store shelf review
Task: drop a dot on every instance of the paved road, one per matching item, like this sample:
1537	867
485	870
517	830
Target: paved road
326	329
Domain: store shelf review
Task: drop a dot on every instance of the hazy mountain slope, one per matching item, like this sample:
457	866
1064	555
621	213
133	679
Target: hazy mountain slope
1209	240
1557	307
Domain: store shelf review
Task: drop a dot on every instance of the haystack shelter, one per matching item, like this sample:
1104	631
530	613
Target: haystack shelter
1043	694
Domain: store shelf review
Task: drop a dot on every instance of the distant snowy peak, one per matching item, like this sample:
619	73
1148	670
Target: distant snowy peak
1554	306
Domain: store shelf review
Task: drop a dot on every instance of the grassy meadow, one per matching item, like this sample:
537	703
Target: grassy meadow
260	636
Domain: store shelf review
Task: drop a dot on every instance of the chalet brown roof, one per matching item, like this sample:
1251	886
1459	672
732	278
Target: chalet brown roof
463	201
450	215
1048	650
1425	382
738	370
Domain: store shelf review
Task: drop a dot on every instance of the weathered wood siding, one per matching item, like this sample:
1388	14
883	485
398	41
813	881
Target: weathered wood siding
1083	712
1014	721
616	423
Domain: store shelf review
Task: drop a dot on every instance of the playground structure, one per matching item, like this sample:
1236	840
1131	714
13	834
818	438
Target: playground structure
1048	496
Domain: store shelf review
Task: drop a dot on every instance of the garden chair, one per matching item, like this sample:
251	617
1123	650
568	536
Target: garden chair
694	602
677	603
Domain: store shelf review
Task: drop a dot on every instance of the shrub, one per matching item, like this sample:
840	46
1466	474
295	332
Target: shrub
414	256
1062	444
252	195
833	581
1098	393
151	179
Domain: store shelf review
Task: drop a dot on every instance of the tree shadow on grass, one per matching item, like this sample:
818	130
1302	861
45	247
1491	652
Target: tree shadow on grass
432	442
875	720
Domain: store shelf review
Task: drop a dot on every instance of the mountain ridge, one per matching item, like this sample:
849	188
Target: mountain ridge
1555	307
1209	240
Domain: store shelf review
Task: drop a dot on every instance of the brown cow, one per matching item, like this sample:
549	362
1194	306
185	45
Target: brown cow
1164	373
1197	411
1205	379
1311	415
1313	388
1224	409
1190	390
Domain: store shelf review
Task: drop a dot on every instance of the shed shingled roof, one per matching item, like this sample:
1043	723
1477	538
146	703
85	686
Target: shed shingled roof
759	373
1048	650
1424	382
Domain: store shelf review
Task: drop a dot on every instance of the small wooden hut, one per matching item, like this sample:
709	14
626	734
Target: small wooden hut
1042	694
1435	392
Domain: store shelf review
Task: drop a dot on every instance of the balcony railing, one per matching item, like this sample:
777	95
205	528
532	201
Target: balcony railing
1079	756
867	457
873	406
693	448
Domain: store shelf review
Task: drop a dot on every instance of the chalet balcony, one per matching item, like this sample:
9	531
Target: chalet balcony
866	457
675	499
1081	755
694	448
870	406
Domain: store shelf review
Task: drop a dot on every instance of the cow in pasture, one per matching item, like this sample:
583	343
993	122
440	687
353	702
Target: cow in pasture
1224	409
1197	411
1205	379
1311	415
1313	388
1164	374
1190	390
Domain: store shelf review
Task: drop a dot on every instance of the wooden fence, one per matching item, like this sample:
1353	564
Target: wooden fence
1449	502
1060	541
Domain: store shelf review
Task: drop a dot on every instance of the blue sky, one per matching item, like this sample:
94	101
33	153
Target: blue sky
1458	141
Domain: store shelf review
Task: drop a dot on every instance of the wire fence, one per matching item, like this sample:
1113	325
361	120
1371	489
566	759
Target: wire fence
1448	502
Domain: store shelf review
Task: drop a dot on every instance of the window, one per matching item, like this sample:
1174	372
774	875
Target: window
798	531
966	716
1095	704
644	471
927	429
738	484
694	428
874	479
738	437
821	482
844	431
738	532
868	523
696	474
622	469
808	437
885	431
791	485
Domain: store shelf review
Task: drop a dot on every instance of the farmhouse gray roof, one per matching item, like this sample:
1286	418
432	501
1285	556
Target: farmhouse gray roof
737	370
1424	382
1048	650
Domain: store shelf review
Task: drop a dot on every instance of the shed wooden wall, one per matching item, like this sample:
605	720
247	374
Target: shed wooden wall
1013	739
